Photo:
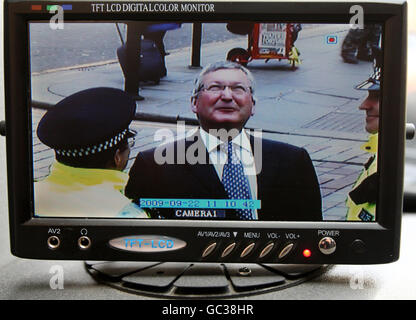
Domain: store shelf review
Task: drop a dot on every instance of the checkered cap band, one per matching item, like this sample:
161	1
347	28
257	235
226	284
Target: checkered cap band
373	83
86	151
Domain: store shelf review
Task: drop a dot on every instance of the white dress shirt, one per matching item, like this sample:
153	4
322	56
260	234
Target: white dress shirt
218	157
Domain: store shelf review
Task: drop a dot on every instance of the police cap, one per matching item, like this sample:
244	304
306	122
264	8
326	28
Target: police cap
373	83
87	122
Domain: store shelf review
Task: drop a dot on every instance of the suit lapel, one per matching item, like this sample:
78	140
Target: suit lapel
204	172
262	162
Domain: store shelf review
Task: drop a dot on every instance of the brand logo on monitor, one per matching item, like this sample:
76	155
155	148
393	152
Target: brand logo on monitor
147	243
151	243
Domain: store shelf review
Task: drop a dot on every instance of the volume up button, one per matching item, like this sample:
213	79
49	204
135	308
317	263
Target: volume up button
286	250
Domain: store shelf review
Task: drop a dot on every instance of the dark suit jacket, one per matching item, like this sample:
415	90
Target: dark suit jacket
287	184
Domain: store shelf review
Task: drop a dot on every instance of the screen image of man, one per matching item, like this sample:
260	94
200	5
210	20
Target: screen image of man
361	201
230	165
89	132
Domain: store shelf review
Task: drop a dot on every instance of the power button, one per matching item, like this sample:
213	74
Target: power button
327	245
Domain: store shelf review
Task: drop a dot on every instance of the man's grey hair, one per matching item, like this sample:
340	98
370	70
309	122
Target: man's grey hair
220	65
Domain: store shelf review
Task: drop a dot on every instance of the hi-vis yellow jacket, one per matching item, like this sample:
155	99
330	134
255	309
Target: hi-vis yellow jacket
80	192
361	201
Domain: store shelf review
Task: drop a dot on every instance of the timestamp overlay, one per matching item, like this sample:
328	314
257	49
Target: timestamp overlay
201	203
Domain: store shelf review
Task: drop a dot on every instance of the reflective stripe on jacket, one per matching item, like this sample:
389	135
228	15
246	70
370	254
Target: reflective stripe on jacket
361	201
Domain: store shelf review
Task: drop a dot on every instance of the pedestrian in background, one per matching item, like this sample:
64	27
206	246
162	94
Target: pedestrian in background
359	43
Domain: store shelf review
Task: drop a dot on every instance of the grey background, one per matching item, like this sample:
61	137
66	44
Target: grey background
29	279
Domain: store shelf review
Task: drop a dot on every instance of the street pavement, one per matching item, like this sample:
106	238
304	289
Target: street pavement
315	106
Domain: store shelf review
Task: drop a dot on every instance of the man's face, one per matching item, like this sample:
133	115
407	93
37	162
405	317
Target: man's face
228	109
371	107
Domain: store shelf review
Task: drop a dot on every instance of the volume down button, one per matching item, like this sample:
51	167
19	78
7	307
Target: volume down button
266	250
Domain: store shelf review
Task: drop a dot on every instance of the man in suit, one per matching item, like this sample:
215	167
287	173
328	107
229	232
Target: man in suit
220	160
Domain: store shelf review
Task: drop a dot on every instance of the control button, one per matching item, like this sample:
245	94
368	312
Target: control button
327	245
266	250
147	243
208	250
286	250
228	250
358	246
247	250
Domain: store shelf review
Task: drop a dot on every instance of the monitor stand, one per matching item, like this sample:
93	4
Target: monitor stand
200	280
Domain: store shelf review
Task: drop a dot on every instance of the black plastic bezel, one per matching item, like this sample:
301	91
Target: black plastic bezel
381	238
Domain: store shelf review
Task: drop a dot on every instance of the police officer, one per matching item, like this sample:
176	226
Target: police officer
89	132
361	201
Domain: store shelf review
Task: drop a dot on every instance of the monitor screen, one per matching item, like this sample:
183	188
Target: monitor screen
278	122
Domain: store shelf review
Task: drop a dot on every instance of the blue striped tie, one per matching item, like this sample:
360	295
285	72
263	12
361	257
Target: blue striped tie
235	182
